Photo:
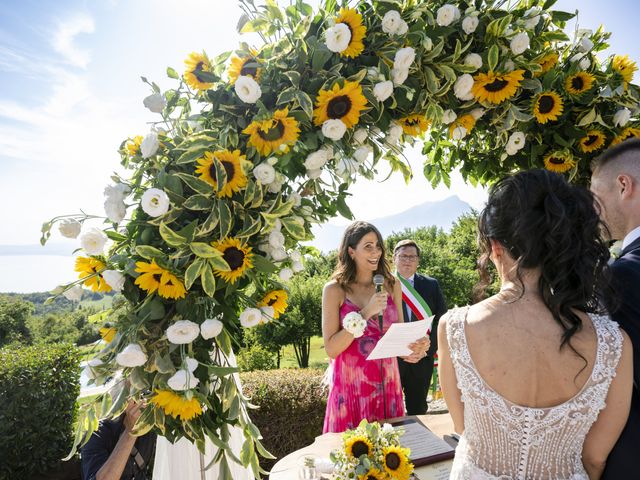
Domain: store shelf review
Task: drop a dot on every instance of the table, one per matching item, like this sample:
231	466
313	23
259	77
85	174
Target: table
287	467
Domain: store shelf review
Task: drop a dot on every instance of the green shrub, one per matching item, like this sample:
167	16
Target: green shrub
256	357
292	406
38	390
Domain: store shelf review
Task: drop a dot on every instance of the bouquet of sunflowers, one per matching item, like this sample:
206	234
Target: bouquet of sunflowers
372	452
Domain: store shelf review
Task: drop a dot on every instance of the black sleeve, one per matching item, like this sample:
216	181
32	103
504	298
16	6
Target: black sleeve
439	309
97	450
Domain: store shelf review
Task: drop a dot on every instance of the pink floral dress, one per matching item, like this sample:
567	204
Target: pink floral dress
357	390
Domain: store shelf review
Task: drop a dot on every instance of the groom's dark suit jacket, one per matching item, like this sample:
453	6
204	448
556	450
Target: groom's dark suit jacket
624	460
416	377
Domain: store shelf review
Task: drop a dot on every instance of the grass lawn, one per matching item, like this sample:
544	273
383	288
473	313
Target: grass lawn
317	356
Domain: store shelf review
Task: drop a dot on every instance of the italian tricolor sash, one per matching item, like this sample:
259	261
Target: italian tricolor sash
414	300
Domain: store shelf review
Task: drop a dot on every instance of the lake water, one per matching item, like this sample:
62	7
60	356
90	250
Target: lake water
35	273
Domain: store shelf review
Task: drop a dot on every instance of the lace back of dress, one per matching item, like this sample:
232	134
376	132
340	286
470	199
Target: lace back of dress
505	440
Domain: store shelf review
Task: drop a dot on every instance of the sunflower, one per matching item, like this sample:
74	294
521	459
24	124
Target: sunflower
274	134
467	122
107	333
353	20
171	287
579	83
547	63
176	405
248	66
89	268
358	445
133	145
233	163
276	299
624	66
496	87
628	132
154	277
396	462
593	141
547	106
414	125
373	474
559	162
197	63
237	255
344	104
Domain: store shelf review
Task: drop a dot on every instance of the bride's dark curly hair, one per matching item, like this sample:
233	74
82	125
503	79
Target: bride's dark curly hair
544	222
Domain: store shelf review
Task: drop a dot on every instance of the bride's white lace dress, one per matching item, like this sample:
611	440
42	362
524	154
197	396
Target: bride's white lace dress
503	440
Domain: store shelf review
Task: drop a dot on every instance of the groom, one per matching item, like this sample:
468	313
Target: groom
416	377
615	181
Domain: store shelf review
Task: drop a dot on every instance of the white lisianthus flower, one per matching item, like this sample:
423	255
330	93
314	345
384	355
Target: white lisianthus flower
584	63
387	428
297	198
448	117
192	364
347	167
119	191
402	28
394	134
247	89
210	328
520	43
427	44
391	22
277	224
399	76
473	60
267	313
585	45
155	102
250	317
285	274
69	228
149	145
183	331
337	38
515	143
297	267
114	279
362	153
383	90
404	58
509	66
314	174
334	129
73	294
360	136
93	241
477	113
621	117
278	254
264	173
459	133
276	239
354	324
462	87
447	14
131	356
577	57
115	210
532	12
183	380
316	160
276	185
532	22
469	24
295	256
155	202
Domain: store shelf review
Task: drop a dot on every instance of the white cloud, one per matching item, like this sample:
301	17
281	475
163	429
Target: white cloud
64	36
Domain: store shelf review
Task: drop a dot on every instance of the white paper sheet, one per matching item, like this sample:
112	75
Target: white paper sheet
395	343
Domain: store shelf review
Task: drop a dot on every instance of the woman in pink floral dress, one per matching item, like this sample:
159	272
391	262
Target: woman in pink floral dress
361	388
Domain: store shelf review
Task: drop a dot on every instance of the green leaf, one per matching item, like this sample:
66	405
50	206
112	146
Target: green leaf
224	218
343	208
172	238
198	202
115	236
149	252
208	280
492	57
262	264
294	227
171	73
246	452
209	224
222	371
305	103
193	272
320	56
287	95
204	250
294	77
219	263
195	183
193	153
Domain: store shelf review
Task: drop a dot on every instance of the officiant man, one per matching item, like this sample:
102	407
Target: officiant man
615	181
421	298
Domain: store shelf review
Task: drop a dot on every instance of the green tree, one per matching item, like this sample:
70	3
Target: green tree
13	320
65	326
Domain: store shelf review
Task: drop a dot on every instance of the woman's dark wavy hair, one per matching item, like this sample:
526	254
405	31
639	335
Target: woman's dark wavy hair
345	272
545	222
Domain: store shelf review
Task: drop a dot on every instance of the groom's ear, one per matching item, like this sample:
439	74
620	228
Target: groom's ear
625	185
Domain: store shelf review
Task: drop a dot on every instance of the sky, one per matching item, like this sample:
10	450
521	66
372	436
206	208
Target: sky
70	92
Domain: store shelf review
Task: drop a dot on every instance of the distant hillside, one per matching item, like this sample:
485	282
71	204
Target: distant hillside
441	214
62	249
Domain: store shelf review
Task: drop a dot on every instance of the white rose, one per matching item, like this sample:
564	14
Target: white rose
118	191
276	239
404	58
585	45
155	102
621	117
73	294
69	228
278	254
399	76
276	185
337	38
295	256
402	28
448	117
131	356
285	274
267	314
520	43
297	198
473	60
183	331
250	317
210	328
515	143
149	145
247	89
477	113
347	167
114	279
115	210
459	133
395	132
316	160
391	22
584	63
264	173
362	153
93	241
383	90
183	380
532	22
462	87
334	129
509	66
469	24
387	428
313	174
447	14
297	267
360	136
155	202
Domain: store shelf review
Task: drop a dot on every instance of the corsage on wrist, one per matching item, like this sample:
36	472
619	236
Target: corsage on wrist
354	324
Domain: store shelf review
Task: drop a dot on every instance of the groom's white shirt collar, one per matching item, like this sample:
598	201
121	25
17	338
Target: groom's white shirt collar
631	237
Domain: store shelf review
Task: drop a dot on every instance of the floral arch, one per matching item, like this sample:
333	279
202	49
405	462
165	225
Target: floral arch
256	145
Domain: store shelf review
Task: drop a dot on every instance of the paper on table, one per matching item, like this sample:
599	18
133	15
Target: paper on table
395	342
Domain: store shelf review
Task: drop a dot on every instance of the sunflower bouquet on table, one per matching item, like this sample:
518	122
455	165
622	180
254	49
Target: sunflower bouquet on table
372	452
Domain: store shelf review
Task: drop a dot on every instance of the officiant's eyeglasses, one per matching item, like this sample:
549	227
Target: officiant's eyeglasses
408	257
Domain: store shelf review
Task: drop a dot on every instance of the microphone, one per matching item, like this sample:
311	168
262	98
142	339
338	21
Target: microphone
378	281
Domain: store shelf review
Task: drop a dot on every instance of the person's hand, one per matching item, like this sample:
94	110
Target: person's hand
131	414
377	303
419	350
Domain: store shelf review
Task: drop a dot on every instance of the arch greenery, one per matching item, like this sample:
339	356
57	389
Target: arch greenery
254	146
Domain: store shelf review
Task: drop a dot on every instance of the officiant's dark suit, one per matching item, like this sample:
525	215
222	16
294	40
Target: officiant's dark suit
416	377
